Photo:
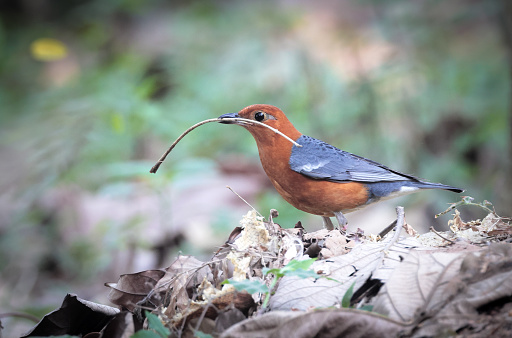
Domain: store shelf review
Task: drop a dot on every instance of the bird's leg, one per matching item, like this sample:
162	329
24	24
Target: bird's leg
341	220
327	223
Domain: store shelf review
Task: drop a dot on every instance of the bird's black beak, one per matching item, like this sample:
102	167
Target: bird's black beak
229	115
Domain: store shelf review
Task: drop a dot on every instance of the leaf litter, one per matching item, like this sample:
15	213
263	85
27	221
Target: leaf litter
405	284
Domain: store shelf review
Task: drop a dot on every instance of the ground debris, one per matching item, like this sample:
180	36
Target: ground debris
417	285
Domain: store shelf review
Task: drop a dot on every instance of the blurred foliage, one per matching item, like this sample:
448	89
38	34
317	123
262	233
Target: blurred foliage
131	76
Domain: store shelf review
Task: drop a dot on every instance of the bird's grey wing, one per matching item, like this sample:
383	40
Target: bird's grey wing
319	160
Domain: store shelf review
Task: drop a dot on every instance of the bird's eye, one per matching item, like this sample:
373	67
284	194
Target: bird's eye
259	116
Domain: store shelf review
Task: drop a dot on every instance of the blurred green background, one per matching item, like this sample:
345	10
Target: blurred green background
92	92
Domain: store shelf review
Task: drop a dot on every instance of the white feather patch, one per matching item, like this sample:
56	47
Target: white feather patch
403	191
311	167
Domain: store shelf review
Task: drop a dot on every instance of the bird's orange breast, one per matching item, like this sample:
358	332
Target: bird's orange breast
312	196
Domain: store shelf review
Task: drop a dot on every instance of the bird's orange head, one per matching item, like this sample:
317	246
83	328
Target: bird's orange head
269	115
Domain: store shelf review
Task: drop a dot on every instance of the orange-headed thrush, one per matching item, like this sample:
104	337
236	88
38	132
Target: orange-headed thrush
319	178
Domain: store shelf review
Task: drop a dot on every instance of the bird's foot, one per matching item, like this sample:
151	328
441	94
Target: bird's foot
342	221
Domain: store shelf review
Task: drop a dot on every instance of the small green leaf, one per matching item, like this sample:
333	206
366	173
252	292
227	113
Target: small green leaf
303	273
294	265
156	324
291	267
251	286
200	334
366	307
275	272
146	334
345	302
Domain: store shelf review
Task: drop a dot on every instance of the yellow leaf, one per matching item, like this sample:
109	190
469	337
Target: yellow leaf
46	49
117	123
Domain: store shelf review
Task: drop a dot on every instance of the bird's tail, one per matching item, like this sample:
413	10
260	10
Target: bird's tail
429	185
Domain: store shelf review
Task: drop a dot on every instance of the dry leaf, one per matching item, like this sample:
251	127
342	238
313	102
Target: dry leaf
419	283
132	288
292	247
123	325
485	279
227	318
180	281
365	260
335	244
193	269
320	323
75	317
242	301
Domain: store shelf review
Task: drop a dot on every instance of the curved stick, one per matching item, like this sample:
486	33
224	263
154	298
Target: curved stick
234	119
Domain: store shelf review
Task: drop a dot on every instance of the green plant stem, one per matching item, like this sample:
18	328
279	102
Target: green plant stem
270	288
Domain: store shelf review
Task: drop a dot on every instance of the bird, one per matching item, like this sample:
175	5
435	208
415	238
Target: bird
319	178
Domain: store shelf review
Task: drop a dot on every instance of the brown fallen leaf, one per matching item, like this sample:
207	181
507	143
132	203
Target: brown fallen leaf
335	244
481	303
124	324
76	316
132	288
496	226
242	301
227	318
457	224
180	281
320	323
